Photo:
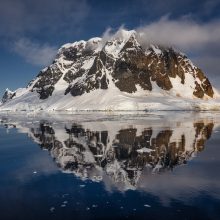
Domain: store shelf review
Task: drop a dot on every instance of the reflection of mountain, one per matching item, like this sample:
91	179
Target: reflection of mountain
95	155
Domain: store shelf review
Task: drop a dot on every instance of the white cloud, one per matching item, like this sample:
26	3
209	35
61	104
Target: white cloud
109	33
184	33
35	53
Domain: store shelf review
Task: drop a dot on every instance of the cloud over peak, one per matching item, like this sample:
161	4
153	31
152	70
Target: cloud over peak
34	53
199	40
183	33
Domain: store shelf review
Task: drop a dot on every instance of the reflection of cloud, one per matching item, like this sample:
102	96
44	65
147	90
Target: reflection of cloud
37	163
184	183
34	53
199	179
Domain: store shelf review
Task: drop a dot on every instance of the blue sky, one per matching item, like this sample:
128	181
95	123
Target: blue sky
32	31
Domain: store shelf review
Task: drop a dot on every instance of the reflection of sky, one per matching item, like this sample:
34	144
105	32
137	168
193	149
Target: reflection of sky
20	159
24	168
199	176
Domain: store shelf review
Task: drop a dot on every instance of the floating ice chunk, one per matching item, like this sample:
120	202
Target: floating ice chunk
146	205
97	178
98	155
52	209
144	150
64	195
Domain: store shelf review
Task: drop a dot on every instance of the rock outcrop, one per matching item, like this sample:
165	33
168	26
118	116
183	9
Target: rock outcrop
8	95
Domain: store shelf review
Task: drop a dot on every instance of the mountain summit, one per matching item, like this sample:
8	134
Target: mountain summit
117	73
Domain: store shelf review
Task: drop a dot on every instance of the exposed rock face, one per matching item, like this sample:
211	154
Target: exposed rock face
8	95
205	87
88	67
47	79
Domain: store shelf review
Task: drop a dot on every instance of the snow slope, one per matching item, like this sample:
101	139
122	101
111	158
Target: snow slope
108	100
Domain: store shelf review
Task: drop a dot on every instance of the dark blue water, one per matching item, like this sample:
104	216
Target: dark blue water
46	174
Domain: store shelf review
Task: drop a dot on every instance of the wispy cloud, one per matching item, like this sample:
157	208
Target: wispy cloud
34	53
109	33
200	41
52	21
183	33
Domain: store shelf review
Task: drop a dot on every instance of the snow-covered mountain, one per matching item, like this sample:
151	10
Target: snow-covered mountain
115	74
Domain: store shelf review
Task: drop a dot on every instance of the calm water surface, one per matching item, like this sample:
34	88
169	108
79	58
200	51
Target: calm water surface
104	166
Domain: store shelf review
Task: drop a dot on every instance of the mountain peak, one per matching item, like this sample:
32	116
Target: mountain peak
121	73
124	34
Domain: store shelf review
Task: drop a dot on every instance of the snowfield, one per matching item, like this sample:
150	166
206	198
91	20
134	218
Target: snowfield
109	100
